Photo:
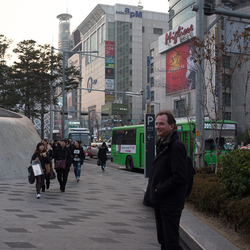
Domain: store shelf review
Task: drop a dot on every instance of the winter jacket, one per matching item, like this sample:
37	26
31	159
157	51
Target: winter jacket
78	154
42	159
102	154
62	154
168	175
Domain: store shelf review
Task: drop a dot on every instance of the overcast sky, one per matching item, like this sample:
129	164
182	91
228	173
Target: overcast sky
36	19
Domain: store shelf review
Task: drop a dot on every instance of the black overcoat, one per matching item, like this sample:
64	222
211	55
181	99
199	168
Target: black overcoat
168	175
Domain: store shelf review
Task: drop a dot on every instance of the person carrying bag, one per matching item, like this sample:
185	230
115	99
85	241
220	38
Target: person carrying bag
63	161
39	158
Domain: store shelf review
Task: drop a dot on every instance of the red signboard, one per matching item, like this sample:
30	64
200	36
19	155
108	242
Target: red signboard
180	69
109	48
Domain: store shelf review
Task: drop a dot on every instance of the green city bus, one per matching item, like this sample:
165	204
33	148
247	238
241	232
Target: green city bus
127	147
228	139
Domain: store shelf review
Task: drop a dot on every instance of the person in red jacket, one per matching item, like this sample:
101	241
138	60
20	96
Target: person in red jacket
166	189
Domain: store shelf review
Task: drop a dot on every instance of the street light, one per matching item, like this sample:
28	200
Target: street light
63	82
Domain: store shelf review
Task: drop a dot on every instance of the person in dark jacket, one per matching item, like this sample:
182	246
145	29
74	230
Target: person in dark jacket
102	155
167	182
63	153
54	146
40	156
49	152
78	158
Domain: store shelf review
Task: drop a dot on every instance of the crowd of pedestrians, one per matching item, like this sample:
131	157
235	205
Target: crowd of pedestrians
63	154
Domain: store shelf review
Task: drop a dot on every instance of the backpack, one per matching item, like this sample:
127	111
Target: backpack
31	176
191	173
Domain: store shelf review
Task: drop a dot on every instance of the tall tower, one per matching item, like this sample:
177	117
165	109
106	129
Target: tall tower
63	44
64	31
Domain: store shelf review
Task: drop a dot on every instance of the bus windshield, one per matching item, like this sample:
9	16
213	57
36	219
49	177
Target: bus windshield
85	138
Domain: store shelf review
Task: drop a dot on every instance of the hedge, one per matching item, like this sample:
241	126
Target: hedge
207	196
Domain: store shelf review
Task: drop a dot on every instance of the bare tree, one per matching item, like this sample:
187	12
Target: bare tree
222	66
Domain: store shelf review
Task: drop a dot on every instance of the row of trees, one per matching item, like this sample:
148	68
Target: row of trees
35	80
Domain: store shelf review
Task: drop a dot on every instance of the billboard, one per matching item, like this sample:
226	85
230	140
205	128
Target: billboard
109	70
180	68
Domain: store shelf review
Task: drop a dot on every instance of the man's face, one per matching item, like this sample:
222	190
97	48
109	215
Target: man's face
162	127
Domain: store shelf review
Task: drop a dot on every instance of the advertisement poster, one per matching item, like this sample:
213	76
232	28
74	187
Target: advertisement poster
126	149
180	69
109	70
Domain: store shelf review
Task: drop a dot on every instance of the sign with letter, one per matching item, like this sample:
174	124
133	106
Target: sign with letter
149	143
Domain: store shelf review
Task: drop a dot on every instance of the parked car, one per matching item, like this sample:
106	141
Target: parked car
246	147
95	148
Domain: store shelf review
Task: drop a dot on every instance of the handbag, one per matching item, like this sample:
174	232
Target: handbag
31	176
60	164
47	168
37	168
52	174
99	163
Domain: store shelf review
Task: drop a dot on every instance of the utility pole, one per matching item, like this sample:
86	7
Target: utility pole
200	87
51	99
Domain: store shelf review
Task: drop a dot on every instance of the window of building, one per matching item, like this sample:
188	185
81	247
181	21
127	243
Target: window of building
226	81
157	31
93	43
152	109
152	82
152	68
152	53
152	96
180	108
143	29
226	61
227	116
226	99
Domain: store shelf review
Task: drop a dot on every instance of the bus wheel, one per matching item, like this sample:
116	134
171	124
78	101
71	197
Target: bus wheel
129	163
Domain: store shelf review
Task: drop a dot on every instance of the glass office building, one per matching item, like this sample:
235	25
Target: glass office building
121	34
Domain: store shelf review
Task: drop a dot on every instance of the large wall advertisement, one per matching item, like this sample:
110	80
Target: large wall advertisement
180	68
179	50
109	71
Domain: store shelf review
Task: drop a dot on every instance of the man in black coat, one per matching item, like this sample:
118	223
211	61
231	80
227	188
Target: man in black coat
167	182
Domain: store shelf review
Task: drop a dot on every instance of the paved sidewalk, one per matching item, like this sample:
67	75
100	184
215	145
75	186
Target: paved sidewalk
103	211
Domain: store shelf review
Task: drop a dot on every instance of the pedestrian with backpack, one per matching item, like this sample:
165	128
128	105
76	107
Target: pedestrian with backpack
166	191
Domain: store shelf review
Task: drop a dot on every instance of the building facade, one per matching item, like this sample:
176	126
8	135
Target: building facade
118	72
173	82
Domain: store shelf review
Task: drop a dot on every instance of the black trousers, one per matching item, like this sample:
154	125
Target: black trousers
62	177
167	225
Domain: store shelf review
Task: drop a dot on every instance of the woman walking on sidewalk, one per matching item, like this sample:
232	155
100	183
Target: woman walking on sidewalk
42	158
48	166
78	157
63	154
102	155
